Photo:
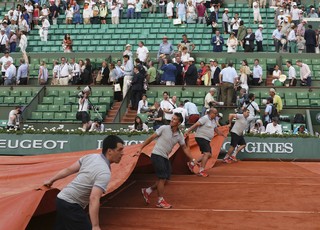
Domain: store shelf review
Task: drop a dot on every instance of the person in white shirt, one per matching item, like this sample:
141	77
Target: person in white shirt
45	11
64	72
97	126
227	80
115	13
14	117
82	113
292	39
167	107
87	13
305	73
170	7
143	105
256	12
276	72
292	75
4	40
225	20
209	99
23	42
130	10
142	53
235	23
55	71
10	74
253	107
4	60
75	73
69	14
138	125
274	127
183	112
44	29
29	9
295	14
259	38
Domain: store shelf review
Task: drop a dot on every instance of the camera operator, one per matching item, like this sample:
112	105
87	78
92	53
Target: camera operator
14	118
82	113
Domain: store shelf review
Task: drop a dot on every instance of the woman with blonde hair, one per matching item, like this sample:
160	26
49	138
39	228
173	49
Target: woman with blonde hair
244	73
206	77
43	74
232	43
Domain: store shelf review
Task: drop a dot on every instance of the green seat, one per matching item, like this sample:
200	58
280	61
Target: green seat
314	102
303	102
74	108
60	116
71	116
187	94
65	108
20	100
64	93
175	93
8	100
71	100
302	95
143	116
26	93
104	100
4	93
291	102
15	93
52	92
47	100
97	93
150	101
29	99
48	116
108	93
286	127
290	95
58	100
53	108
1	100
94	100
36	115
277	83
199	93
198	101
42	108
151	93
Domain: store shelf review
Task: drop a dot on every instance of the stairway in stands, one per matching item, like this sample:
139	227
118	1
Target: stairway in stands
112	112
129	116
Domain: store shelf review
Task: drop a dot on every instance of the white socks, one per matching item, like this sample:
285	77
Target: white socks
149	190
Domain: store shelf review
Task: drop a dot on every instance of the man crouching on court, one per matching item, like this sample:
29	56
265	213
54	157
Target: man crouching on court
168	136
93	177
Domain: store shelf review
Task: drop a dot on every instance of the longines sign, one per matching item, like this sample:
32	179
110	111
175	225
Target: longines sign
257	148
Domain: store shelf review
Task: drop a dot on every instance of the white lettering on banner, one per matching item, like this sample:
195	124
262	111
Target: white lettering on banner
261	147
35	144
126	142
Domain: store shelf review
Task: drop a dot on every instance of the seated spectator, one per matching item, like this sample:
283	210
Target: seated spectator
138	125
276	72
274	127
184	54
301	130
258	127
97	126
143	105
192	111
14	118
209	100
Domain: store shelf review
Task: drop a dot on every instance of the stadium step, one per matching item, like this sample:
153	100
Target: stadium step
112	112
129	116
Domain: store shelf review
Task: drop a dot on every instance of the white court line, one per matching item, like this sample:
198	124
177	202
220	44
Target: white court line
215	210
250	176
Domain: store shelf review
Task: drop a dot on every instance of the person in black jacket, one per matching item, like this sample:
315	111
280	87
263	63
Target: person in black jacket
248	41
215	71
105	74
311	40
179	66
191	74
86	76
136	87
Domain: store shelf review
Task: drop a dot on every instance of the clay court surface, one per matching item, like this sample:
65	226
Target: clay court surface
243	195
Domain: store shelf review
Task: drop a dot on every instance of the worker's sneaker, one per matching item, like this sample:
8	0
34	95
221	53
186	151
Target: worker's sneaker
226	160
145	195
163	204
203	174
191	166
233	159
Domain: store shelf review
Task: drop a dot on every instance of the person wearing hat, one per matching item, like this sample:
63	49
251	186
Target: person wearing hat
274	127
259	38
277	36
313	13
277	101
166	49
225	21
191	75
217	42
13	41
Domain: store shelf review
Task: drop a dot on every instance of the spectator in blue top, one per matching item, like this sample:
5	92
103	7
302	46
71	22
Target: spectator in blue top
165	50
217	42
300	130
169	72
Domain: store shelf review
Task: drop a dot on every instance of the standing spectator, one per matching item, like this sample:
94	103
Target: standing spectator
169	72
301	28
313	13
166	49
257	73
237	139
115	12
213	18
127	68
43	74
244	75
63	72
55	73
13	41
301	44
162	6
103	12
69	14
87	13
217	42
75	72
103	77
292	75
277	102
142	53
4	61
67	44
76	13
157	116
130	10
311	40
277	36
23	42
259	38
186	43
23	24
143	105
128	52
232	43
268	111
54	13
242	31
191	75
191	12
36	14
181	11
10	74
256	12
235	23
45	11
201	9
227	79
167	107
206	77
87	72
184	54
274	127
295	18
248	41
151	74
4	41
153	6
253	107
215	72
138	9
206	128
29	9
192	111
22	73
305	73
225	21
14	118
137	87
44	31
292	39
120	5
95	18
179	65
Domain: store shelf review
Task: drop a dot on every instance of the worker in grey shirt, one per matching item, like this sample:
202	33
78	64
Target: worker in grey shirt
237	138
167	137
93	176
206	127
22	73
